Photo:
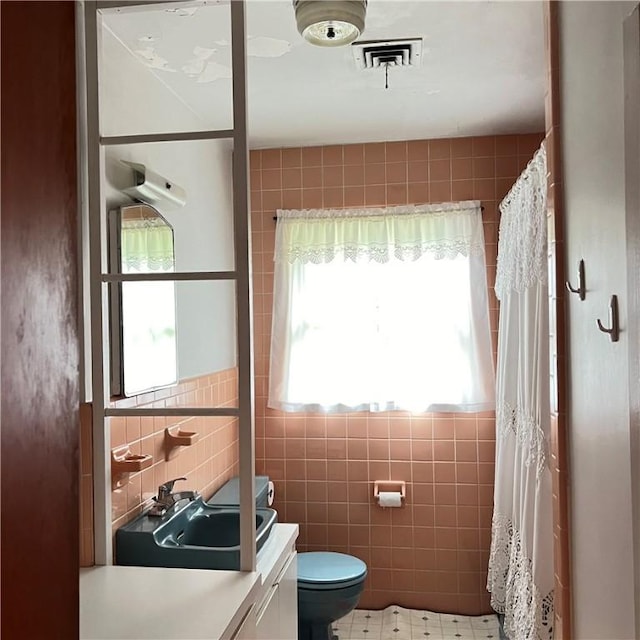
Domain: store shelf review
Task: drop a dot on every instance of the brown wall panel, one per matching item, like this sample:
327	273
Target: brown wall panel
39	438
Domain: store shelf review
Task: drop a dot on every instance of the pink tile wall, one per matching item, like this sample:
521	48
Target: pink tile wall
433	552
207	464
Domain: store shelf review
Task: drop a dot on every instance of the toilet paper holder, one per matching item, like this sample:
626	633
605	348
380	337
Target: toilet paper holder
389	485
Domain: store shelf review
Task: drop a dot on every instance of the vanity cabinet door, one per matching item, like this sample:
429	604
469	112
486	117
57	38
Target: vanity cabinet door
268	616
277	616
247	628
288	600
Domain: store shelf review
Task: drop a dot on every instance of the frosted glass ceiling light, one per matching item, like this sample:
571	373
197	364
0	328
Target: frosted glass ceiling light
330	23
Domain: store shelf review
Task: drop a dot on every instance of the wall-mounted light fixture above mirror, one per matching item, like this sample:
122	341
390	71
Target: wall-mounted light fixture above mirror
153	188
142	314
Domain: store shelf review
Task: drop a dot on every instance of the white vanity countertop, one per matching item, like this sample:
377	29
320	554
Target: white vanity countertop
154	603
157	603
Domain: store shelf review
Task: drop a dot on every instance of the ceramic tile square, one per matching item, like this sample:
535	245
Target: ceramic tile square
397	623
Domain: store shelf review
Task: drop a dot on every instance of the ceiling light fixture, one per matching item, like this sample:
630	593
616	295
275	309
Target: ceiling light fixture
330	23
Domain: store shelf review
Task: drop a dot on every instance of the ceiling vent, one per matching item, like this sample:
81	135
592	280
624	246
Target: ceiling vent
394	53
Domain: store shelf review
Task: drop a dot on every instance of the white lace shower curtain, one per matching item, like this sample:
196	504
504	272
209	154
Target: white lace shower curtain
521	576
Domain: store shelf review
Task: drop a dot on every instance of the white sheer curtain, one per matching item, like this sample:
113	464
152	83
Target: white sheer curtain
381	309
521	575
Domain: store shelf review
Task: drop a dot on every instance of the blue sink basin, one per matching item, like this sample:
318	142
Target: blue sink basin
220	529
191	535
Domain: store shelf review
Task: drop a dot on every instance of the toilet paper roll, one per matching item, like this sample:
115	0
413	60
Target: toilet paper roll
390	499
270	492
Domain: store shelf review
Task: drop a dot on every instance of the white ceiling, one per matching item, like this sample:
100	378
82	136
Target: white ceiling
482	70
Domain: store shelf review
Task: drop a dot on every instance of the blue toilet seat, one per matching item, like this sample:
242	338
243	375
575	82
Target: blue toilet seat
324	570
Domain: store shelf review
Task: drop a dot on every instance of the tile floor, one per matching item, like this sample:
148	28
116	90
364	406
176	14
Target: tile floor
396	623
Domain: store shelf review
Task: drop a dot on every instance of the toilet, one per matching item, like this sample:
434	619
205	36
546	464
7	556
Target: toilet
329	583
329	587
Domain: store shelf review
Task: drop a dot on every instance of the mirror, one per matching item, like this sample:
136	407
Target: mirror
205	333
142	314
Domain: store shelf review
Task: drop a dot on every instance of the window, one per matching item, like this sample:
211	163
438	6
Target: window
381	309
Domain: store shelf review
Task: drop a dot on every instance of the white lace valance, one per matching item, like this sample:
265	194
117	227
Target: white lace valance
146	245
522	259
380	234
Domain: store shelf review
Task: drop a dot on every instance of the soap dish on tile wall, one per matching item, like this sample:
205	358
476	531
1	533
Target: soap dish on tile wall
175	437
123	462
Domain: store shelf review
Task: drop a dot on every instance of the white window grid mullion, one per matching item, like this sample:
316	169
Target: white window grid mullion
99	308
170	276
103	547
206	412
183	136
132	5
242	239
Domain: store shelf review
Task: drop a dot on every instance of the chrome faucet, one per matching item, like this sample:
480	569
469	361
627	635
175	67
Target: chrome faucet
166	498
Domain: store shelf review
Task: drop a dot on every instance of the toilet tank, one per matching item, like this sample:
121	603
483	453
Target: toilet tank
229	493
